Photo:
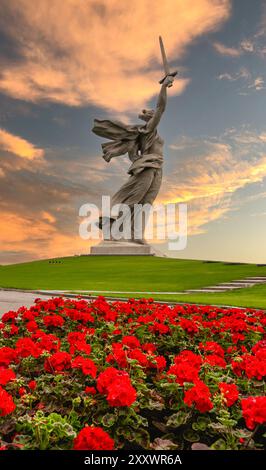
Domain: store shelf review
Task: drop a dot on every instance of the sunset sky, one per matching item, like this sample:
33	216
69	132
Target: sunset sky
64	63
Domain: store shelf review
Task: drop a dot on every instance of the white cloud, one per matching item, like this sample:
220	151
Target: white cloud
226	50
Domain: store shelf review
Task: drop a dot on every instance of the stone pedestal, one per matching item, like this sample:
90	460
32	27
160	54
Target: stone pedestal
118	248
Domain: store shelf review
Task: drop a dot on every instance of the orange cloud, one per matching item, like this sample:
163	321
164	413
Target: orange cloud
19	146
39	237
207	180
102	52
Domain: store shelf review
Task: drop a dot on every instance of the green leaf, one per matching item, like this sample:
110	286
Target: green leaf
191	436
109	420
220	444
177	419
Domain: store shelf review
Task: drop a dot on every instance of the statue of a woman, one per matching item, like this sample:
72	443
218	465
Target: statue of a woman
145	149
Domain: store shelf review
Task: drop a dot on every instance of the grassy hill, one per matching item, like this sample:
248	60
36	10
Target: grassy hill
142	274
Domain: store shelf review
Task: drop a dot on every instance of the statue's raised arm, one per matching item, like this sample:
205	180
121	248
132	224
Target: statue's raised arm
161	104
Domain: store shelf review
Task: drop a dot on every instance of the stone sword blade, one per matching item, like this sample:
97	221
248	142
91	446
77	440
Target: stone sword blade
165	62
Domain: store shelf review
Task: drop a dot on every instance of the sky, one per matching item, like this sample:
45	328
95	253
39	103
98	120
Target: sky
63	66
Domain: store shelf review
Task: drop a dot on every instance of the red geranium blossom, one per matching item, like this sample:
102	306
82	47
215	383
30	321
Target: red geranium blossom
254	411
199	395
26	347
215	360
131	341
189	325
230	393
9	316
93	438
186	368
86	365
7	404
6	375
32	385
90	390
212	347
121	393
53	320
7	355
22	391
57	362
32	326
118	355
108	376
116	384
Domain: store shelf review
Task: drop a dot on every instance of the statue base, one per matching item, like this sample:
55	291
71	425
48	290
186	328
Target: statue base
120	248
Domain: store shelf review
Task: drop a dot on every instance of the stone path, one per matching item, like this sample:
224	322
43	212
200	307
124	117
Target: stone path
232	285
13	299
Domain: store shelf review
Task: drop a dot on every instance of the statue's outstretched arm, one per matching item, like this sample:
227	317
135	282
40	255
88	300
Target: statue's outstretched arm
160	107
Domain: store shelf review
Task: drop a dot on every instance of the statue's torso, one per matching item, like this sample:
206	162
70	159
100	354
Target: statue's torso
156	147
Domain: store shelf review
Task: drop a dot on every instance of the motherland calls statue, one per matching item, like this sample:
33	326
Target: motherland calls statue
144	147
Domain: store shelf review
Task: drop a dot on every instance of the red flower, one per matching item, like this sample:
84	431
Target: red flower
86	365
7	355
259	345
11	330
90	390
107	377
215	360
199	395
139	356
212	347
118	355
189	326
6	375
117	386
53	320
149	347
7	404
184	372
186	368
9	316
254	411
26	347
47	342
90	438
157	362
32	385
159	328
121	393
32	326
57	362
230	392
22	391
131	341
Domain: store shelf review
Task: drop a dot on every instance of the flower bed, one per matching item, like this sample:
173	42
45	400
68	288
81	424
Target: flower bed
79	375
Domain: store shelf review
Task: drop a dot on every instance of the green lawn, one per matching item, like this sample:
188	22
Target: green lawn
137	274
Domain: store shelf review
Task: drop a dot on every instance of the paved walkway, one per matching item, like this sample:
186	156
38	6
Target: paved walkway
12	300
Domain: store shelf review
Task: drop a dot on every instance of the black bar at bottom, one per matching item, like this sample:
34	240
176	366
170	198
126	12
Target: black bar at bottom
120	459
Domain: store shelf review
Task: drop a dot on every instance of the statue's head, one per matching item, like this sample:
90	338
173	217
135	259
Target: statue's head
146	114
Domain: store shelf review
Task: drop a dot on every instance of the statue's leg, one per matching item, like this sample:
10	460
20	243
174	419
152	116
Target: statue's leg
153	190
149	197
134	191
